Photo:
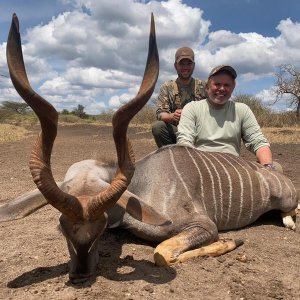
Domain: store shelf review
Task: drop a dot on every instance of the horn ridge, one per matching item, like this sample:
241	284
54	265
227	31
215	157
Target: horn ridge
83	207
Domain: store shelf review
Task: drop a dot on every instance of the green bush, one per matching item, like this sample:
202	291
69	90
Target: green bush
14	118
70	118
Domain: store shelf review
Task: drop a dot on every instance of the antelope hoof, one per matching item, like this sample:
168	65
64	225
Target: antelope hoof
287	219
289	223
163	257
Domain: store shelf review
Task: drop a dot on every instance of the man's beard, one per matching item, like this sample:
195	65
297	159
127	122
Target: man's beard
185	77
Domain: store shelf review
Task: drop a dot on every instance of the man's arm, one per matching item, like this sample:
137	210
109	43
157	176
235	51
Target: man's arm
170	117
163	104
264	155
253	137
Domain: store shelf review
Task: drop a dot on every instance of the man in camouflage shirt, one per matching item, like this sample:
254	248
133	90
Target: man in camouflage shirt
174	95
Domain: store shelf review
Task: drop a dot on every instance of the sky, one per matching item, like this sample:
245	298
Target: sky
93	52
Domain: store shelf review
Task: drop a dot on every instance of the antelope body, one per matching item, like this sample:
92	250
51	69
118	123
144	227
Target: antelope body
177	195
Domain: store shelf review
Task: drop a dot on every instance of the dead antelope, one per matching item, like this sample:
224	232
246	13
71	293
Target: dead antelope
192	199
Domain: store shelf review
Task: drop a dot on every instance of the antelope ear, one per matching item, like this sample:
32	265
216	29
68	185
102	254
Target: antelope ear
141	211
23	205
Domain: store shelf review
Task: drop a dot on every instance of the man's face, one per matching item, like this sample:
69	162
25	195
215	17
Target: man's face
184	68
219	89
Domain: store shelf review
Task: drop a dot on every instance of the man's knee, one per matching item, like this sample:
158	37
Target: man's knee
158	127
163	133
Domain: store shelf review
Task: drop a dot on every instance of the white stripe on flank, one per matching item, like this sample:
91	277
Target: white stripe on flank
279	183
267	188
212	182
178	174
201	178
241	195
219	181
251	188
292	188
230	186
169	195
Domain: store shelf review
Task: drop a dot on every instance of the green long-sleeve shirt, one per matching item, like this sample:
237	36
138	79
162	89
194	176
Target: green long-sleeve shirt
220	130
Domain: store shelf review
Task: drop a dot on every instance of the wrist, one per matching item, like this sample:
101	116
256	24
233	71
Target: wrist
171	118
269	166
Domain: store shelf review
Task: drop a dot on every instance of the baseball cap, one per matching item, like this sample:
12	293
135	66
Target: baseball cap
184	52
223	68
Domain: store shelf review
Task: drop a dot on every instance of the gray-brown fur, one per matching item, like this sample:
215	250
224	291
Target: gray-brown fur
229	190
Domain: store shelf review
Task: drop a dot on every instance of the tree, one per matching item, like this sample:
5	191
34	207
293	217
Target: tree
65	112
288	82
253	102
20	108
79	111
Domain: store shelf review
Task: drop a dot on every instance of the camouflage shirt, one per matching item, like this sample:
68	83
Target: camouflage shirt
172	96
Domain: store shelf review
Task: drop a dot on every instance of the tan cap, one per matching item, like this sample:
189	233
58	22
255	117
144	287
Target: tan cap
184	52
223	68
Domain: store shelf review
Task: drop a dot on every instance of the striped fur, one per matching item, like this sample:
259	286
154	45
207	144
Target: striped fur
229	190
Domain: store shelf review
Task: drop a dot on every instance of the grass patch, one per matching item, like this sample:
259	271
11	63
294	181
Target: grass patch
282	135
9	133
275	135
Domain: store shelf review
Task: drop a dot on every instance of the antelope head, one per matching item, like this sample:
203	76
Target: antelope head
83	218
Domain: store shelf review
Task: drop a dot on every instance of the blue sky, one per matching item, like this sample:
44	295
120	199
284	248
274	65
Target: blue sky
93	52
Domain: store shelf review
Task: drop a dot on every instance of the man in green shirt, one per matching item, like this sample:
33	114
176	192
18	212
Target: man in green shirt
174	95
218	125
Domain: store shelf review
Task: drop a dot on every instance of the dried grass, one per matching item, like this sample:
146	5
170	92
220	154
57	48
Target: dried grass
284	135
9	133
275	135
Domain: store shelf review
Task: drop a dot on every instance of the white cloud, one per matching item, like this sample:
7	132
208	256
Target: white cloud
289	33
94	53
267	97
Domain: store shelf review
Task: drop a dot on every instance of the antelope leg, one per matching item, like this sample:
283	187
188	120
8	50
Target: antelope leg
214	249
287	219
24	205
193	236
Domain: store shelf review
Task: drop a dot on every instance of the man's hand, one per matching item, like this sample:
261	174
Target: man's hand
177	115
171	117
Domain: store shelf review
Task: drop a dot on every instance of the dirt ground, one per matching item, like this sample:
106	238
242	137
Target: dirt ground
34	256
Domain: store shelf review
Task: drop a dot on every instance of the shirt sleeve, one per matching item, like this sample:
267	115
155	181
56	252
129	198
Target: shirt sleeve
163	101
252	135
186	127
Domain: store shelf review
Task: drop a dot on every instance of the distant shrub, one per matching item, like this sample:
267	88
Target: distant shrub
65	112
69	118
14	118
79	111
6	115
284	119
145	116
265	116
105	117
254	103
